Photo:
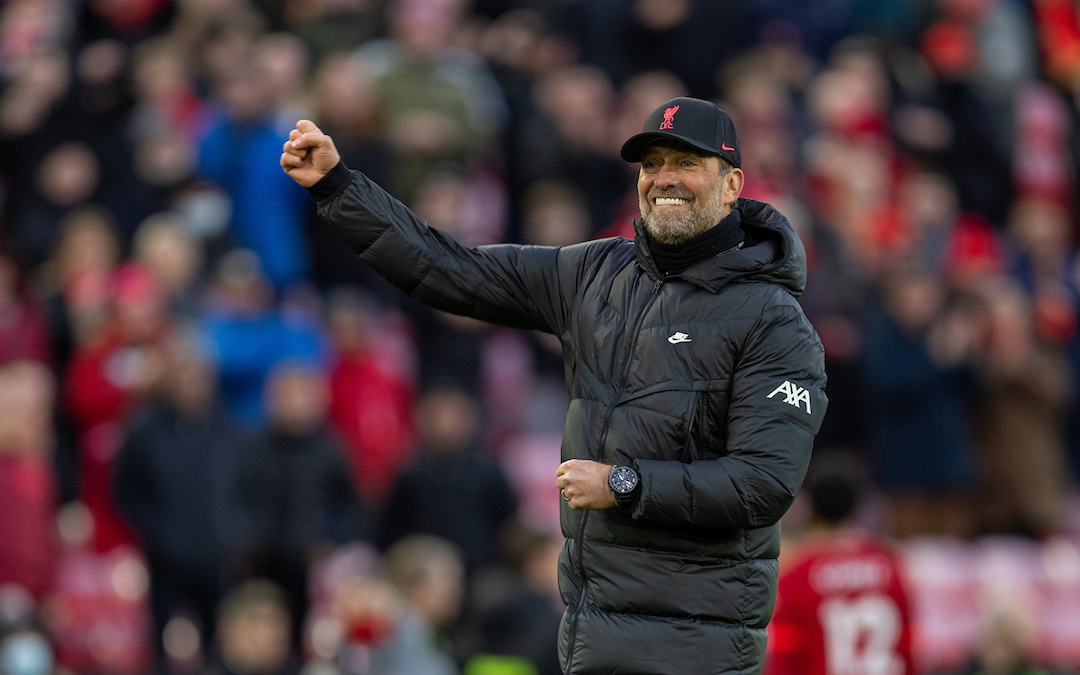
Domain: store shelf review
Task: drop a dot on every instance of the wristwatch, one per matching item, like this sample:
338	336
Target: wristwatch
624	484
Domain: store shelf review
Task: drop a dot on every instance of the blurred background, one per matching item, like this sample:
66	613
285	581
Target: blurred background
226	447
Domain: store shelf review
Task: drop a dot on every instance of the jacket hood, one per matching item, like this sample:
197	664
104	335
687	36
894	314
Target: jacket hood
772	252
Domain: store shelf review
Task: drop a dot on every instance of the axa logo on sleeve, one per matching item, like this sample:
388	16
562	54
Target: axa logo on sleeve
793	395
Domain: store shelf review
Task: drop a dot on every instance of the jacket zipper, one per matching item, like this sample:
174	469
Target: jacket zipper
695	430
625	373
703	418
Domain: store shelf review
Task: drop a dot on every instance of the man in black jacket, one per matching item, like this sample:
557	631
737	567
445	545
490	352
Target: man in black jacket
174	480
297	485
695	381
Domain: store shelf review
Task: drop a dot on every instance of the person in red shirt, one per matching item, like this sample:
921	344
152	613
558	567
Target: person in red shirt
28	545
371	400
111	373
842	607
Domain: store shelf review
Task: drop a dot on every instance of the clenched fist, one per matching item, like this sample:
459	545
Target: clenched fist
583	483
309	154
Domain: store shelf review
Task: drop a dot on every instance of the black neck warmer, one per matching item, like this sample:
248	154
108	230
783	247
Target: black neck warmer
674	258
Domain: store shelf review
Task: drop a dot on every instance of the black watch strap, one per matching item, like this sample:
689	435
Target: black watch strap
625	485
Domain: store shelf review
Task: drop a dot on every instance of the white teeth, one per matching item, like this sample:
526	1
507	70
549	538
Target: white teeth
671	201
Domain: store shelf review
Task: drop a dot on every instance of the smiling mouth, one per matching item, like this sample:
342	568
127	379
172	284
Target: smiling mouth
670	201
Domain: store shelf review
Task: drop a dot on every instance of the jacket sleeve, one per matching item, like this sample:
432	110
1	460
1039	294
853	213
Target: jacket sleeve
507	284
776	408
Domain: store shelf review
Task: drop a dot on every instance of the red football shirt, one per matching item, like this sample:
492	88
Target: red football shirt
841	609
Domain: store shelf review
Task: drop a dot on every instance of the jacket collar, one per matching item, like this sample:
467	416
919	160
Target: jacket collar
773	252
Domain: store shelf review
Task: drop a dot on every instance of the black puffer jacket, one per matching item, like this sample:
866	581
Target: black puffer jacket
710	382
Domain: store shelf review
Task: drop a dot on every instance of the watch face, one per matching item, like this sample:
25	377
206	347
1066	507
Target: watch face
623	480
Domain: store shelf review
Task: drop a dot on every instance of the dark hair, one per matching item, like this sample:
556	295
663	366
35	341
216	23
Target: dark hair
834	493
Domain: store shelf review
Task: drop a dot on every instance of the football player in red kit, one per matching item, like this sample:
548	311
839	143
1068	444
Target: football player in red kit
842	608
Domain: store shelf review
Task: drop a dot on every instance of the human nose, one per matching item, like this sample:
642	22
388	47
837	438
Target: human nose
666	176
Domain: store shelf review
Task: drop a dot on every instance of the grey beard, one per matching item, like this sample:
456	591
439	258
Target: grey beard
685	228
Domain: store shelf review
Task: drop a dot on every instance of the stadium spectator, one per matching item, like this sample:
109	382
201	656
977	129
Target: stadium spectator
976	92
174	482
1023	473
296	481
118	367
253	628
519	629
570	137
429	573
371	400
249	334
166	101
333	26
676	32
842	604
1006	642
282	61
452	489
345	99
36	120
74	285
76	279
167	248
920	388
68	176
29	544
439	101
382	634
24	330
554	213
101	106
267	214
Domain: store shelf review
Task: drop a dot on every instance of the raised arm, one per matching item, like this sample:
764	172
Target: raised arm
508	284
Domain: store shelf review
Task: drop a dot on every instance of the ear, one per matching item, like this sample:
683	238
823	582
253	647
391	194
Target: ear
733	185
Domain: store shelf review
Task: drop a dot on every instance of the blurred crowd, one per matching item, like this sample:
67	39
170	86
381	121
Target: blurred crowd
226	447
